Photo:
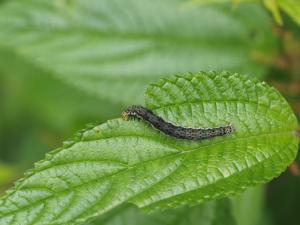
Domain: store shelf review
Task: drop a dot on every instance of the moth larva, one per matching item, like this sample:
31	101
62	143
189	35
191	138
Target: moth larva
147	115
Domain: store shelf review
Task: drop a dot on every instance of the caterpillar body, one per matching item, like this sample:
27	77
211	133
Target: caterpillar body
170	129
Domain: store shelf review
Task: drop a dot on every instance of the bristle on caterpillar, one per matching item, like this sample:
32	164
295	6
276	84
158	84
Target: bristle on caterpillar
179	132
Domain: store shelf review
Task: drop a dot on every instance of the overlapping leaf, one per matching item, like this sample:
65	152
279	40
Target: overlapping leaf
114	48
291	7
129	161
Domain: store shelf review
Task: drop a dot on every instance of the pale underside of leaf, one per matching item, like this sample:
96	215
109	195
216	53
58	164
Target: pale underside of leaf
129	161
113	46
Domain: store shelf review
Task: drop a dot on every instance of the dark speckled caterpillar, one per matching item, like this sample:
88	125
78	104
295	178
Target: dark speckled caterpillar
145	114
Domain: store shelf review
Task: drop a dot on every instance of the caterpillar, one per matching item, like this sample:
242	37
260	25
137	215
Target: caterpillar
170	129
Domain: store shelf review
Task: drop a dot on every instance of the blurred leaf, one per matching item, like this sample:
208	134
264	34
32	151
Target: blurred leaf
129	161
7	174
211	213
113	49
292	8
252	200
223	214
37	111
206	2
274	9
283	198
29	88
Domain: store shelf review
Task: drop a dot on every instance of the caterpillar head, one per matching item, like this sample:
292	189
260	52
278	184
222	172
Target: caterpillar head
132	111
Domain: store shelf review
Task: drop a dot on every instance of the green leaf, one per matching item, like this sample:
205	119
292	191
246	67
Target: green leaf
209	213
7	174
26	86
223	215
114	49
38	110
252	200
129	161
292	8
273	7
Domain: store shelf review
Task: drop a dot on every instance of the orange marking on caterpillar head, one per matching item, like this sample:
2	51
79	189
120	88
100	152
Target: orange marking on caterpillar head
125	116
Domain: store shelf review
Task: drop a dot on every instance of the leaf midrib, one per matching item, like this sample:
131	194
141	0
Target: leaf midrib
184	40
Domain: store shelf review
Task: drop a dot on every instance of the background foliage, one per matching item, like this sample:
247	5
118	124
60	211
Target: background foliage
67	63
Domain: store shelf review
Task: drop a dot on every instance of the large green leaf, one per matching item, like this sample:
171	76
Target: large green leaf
114	48
38	110
28	88
129	161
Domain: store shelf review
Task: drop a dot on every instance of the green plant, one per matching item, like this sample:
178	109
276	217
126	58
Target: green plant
66	63
129	161
96	48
